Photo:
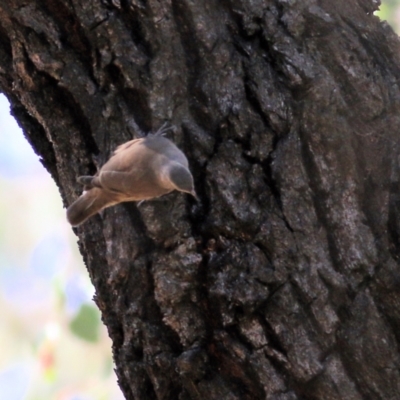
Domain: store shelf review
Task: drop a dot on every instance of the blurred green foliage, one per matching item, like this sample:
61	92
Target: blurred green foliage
86	323
390	11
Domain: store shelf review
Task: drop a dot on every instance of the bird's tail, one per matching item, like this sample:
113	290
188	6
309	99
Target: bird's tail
88	204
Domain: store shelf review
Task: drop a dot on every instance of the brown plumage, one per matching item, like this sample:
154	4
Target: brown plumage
140	169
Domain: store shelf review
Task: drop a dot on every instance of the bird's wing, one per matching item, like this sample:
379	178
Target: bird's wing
138	186
117	181
126	156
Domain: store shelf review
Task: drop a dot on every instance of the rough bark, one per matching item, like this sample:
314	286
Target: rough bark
283	282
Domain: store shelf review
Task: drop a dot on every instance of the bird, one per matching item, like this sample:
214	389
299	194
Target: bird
140	169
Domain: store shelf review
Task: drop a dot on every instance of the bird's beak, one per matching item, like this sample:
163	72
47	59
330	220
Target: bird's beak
194	194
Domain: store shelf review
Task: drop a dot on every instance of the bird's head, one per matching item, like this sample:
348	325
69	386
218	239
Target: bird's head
181	179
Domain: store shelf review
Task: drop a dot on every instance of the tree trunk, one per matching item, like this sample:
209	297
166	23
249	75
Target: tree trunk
283	281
